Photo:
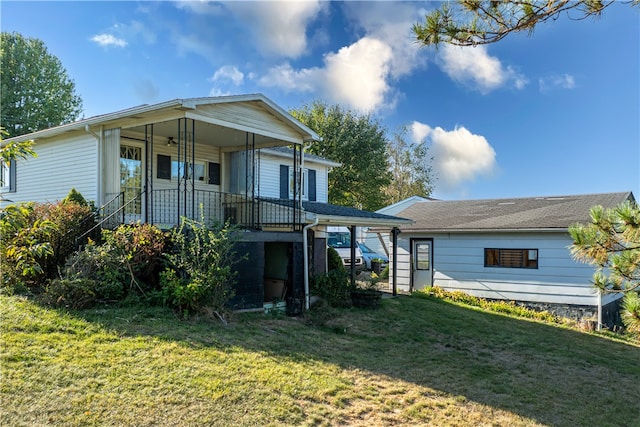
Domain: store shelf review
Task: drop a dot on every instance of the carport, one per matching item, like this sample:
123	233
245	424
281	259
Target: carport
320	215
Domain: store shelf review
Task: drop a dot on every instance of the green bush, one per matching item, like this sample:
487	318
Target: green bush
200	276
334	261
25	248
94	274
139	248
334	287
507	307
72	220
74	196
81	293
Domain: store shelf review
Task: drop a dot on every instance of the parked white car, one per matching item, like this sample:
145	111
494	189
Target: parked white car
339	238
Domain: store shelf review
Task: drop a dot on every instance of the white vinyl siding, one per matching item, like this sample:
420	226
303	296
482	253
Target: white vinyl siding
459	265
204	154
270	176
60	166
252	117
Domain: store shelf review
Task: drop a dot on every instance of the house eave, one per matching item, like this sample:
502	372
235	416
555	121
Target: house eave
184	105
357	221
484	230
277	153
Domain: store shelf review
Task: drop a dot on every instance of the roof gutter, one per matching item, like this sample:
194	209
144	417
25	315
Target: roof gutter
360	221
484	230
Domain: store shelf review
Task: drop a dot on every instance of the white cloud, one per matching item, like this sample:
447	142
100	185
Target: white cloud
458	155
201	7
228	73
391	22
473	66
564	81
108	40
280	28
193	44
284	76
356	75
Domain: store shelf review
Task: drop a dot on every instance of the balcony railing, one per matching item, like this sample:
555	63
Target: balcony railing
168	206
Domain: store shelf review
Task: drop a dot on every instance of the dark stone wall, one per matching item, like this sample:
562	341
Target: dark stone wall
580	313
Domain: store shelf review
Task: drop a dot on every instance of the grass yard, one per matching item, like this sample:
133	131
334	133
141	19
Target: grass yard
412	362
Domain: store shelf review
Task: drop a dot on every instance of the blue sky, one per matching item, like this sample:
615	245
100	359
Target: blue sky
554	113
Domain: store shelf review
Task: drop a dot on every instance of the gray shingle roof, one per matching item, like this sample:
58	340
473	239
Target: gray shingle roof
532	213
289	152
335	210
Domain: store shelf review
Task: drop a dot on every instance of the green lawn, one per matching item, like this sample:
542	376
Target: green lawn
412	362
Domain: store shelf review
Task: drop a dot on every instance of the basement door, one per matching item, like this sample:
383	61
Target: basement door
421	264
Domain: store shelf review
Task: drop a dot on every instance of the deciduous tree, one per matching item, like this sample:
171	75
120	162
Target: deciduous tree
474	22
35	89
358	142
410	167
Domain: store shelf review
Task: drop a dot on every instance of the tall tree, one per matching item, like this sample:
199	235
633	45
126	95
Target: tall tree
474	22
611	242
410	167
358	142
35	90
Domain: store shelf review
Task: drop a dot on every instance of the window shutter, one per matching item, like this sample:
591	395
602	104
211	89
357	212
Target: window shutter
12	176
311	191
164	167
284	181
214	173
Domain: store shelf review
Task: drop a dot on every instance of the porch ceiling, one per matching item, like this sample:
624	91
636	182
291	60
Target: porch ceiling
208	133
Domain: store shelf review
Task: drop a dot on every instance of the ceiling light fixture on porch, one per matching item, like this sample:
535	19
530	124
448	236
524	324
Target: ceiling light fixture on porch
170	141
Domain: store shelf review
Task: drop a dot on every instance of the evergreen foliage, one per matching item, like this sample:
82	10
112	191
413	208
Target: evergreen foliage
477	22
611	242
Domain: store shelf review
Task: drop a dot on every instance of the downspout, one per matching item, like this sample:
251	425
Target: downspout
305	243
394	260
305	252
599	326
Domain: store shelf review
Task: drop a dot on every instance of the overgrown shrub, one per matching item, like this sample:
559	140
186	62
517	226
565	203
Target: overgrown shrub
334	287
139	248
200	276
72	220
24	248
334	261
93	275
384	274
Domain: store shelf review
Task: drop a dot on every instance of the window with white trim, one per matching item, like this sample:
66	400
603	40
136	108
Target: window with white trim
303	183
5	177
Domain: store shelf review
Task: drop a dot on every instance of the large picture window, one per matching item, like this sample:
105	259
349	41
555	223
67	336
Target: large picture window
511	258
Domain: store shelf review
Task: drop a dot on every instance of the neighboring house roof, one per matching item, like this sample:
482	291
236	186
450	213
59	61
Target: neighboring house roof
342	215
555	213
288	153
328	214
403	204
146	112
